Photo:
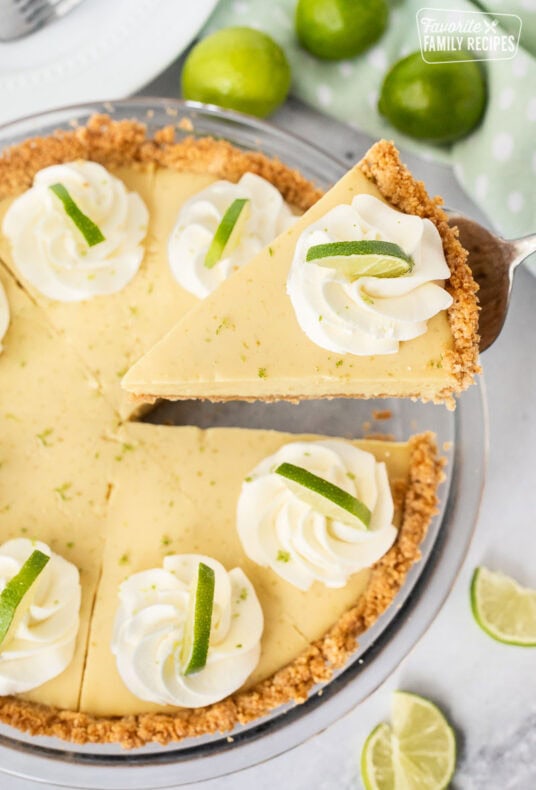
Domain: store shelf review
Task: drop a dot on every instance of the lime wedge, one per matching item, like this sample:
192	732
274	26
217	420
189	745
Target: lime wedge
91	232
367	258
418	752
325	497
228	232
17	596
503	609
197	629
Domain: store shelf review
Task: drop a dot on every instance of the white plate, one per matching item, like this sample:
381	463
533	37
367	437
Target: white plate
101	49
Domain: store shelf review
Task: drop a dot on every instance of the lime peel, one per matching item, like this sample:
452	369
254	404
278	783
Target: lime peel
227	233
91	232
339	504
199	622
14	598
504	609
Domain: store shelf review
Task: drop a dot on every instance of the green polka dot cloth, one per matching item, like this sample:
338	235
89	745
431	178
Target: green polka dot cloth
496	164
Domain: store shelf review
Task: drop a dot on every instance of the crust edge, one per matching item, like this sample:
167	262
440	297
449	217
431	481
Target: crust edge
382	165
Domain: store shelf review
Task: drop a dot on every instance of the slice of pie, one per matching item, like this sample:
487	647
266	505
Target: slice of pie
111	331
284	326
175	492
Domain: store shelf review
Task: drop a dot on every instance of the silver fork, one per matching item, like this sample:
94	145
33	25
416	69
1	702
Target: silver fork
19	18
493	261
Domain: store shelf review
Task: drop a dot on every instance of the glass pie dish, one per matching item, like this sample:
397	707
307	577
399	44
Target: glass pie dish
461	437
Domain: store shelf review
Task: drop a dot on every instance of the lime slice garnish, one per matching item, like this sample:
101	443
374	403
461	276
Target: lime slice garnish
367	258
418	752
325	497
91	232
16	597
503	609
199	621
228	232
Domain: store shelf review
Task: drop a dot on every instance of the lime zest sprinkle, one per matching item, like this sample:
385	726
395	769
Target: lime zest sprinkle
62	491
91	232
44	436
303	477
283	556
262	373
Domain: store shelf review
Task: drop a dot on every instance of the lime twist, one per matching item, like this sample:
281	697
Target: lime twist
338	29
229	231
440	102
416	752
199	621
366	258
503	609
17	596
325	497
91	232
239	68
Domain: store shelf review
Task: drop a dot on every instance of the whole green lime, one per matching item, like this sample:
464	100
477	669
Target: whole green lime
439	102
239	68
339	29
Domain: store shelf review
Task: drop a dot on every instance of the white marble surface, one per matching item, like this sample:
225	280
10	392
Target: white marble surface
487	689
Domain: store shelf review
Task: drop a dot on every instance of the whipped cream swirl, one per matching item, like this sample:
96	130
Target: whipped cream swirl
149	632
279	530
4	314
370	315
199	218
44	641
50	251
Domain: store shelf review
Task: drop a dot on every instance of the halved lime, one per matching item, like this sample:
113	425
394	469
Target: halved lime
17	596
367	258
418	752
325	497
228	232
198	624
91	232
503	609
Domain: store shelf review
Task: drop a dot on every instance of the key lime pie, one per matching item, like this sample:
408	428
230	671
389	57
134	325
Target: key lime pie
368	294
158	582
